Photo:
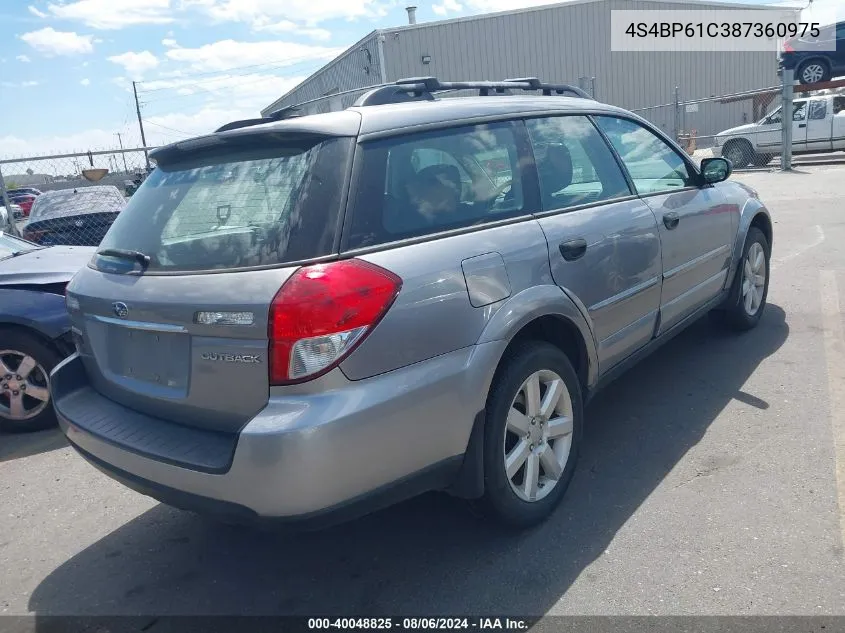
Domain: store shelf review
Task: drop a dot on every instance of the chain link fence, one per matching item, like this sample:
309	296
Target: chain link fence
69	199
745	127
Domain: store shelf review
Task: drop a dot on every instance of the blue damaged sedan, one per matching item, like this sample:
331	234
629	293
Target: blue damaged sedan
35	331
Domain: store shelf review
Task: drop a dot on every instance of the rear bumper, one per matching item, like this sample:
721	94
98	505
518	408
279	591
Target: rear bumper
336	447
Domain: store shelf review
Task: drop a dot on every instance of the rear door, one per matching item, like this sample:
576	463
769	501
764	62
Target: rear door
603	240
223	226
695	225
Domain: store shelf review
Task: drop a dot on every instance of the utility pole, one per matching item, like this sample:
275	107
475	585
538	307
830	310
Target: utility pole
788	79
120	140
141	125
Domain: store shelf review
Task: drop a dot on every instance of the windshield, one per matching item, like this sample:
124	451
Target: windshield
236	209
11	246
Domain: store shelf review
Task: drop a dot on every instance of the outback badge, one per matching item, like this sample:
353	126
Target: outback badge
231	358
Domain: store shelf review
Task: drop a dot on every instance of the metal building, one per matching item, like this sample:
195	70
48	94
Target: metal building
564	43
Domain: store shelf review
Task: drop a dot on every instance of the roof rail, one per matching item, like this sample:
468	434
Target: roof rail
416	89
392	94
425	87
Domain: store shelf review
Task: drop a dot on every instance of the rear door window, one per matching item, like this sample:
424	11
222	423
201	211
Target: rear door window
574	163
238	208
419	184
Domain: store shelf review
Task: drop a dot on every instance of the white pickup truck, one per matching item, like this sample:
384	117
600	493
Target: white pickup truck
818	125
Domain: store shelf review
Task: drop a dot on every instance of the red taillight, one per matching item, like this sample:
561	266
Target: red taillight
322	312
787	47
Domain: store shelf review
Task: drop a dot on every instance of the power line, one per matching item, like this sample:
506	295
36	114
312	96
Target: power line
172	129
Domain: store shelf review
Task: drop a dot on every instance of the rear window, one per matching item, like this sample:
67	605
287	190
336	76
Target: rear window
237	209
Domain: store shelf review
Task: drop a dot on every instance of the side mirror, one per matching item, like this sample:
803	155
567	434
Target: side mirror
715	170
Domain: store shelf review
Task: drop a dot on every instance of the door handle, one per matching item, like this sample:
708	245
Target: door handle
802	125
671	220
573	249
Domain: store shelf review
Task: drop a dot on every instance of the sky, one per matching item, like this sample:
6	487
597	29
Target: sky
67	66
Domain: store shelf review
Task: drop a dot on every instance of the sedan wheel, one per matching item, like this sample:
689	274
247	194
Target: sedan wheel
26	361
24	391
538	436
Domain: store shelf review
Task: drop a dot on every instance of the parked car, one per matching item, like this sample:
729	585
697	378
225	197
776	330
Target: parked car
76	217
267	333
818	125
816	59
24	201
17	210
24	190
34	327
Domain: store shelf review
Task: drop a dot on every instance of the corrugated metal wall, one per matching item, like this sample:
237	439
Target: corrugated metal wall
559	44
352	69
565	43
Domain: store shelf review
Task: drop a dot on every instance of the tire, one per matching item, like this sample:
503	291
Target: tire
16	347
508	499
813	71
761	160
739	152
735	314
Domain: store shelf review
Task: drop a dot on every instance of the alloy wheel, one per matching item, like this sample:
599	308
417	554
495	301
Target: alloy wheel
24	386
813	73
753	279
538	435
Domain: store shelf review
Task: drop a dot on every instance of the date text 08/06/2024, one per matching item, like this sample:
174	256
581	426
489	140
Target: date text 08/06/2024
424	623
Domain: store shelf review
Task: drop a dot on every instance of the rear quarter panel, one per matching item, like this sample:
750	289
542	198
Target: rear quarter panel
433	313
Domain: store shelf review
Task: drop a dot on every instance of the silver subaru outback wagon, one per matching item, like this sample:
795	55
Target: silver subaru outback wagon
301	319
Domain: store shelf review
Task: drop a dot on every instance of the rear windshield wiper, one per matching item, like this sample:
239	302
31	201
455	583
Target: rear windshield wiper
138	256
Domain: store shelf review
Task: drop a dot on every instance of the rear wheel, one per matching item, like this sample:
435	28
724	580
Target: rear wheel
25	366
532	434
813	71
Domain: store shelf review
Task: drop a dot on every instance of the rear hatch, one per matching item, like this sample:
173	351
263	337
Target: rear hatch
172	312
74	217
80	230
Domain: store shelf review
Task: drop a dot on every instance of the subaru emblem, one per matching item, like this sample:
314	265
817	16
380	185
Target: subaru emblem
121	310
